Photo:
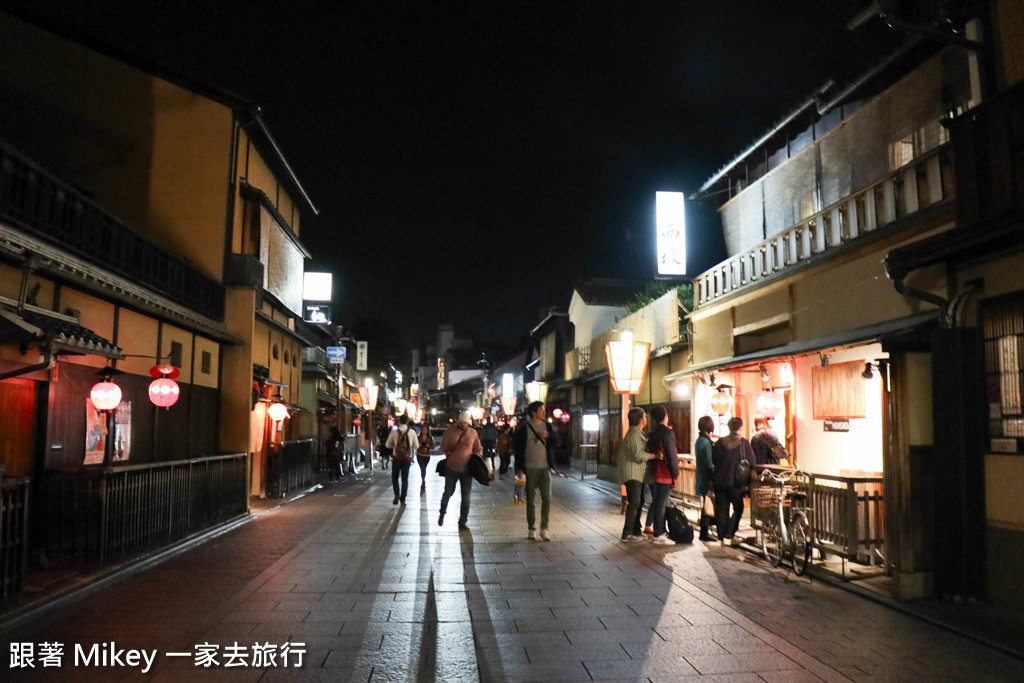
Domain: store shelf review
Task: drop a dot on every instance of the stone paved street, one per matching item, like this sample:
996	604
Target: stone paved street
377	592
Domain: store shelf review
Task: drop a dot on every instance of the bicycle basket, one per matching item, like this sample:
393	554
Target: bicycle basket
768	496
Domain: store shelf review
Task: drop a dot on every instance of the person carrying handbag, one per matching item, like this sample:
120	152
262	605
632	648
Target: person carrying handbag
705	471
728	456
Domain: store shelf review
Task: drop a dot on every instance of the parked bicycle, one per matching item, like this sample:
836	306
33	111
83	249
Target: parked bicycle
785	529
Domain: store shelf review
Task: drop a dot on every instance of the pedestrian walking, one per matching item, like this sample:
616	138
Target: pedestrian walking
403	443
726	455
534	446
383	432
632	465
423	455
663	468
458	444
334	449
488	441
504	448
705	470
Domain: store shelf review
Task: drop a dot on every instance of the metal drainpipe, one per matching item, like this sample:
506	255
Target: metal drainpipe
47	361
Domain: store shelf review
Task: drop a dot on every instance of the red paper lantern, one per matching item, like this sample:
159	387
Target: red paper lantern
721	402
105	395
164	392
770	403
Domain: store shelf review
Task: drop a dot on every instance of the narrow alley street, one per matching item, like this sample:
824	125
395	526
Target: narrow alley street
341	585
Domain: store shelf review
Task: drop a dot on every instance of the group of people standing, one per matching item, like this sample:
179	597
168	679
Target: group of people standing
652	461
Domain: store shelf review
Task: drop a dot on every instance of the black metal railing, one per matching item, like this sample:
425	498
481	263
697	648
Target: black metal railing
13	534
38	202
291	464
118	512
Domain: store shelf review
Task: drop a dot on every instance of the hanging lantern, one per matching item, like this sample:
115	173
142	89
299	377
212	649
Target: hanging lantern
105	395
399	406
277	411
770	403
721	402
411	410
537	391
164	392
368	396
508	405
627	365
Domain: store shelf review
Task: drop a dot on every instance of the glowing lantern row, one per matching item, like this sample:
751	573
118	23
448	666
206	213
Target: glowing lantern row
770	403
627	365
721	402
508	405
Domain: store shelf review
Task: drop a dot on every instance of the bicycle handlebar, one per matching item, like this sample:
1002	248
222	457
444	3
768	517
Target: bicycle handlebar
782	478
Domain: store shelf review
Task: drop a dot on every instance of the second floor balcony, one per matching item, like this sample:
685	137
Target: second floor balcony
924	187
35	201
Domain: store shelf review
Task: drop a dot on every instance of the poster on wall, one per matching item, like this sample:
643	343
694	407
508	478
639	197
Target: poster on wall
95	434
122	431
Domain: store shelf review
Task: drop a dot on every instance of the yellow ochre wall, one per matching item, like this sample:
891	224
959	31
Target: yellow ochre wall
153	154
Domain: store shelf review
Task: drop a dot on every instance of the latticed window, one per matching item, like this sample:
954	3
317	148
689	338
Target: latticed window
1002	323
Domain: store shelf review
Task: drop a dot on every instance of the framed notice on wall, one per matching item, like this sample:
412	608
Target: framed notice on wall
837	391
95	434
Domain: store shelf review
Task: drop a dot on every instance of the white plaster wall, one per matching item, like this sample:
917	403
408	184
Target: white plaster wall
824	452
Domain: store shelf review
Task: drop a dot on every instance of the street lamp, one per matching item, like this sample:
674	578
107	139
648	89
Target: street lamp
368	399
627	368
537	391
508	394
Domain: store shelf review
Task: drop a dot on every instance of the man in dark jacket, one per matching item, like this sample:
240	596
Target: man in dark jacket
662	470
726	455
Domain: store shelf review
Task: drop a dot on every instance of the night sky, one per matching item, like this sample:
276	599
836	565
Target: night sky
471	160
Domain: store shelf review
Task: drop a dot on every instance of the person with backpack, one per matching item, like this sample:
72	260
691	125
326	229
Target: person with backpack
727	456
403	443
663	470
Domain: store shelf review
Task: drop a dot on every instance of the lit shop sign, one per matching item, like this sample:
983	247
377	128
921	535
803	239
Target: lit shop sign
670	217
317	313
316	286
837	425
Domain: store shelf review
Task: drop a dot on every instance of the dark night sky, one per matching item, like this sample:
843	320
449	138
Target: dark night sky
470	160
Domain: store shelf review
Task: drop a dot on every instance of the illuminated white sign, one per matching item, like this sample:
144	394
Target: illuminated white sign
316	286
671	226
591	423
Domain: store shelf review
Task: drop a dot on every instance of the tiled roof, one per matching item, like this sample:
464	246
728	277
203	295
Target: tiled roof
34	327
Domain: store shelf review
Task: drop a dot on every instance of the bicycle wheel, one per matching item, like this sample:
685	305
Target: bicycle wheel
771	539
801	532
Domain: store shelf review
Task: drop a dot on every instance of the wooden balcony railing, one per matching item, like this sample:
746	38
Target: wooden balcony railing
34	200
13	534
925	182
122	511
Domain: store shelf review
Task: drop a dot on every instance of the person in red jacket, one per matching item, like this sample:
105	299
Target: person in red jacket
662	470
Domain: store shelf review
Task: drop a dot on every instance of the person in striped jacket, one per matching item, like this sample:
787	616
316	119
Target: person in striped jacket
632	466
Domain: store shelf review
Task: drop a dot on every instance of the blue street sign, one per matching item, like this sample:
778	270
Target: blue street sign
336	354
